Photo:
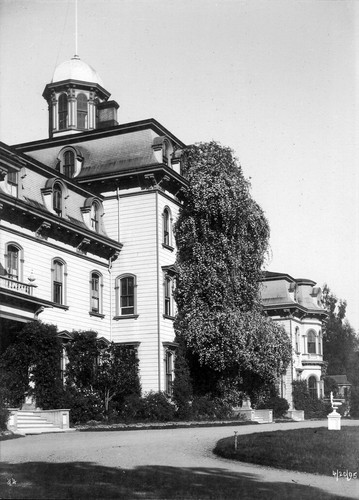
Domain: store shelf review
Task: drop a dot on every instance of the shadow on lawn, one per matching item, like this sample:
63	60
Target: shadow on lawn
76	480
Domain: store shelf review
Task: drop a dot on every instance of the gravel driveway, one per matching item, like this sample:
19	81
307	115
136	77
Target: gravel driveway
167	463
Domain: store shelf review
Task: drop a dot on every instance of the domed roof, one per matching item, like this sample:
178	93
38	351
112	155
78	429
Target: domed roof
75	69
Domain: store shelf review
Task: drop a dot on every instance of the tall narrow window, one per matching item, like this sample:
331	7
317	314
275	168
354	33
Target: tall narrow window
311	342
320	343
169	372
95	293
312	386
95	217
69	163
168	296
12	182
57	199
296	339
12	262
166	227
58	282
127	295
63	112
81	111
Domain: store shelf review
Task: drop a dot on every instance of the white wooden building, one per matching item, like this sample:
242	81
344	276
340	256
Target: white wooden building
86	230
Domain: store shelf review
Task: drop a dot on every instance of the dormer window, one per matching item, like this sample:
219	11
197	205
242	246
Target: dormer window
63	112
82	111
12	182
92	212
95	224
69	163
57	199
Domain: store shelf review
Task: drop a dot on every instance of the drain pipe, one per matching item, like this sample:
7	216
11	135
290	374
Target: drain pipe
110	276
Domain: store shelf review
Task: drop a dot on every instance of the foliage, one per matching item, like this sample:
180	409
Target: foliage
313	407
117	373
131	408
279	406
354	402
222	236
330	385
182	385
33	355
207	408
110	372
157	407
85	405
340	341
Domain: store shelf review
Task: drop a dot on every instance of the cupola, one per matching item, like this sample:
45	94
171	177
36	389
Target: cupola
77	100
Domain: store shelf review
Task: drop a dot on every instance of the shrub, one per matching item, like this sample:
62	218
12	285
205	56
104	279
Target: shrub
4	416
313	408
131	408
157	408
279	406
85	405
206	408
354	402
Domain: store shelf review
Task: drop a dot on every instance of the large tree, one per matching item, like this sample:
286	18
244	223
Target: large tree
340	341
222	237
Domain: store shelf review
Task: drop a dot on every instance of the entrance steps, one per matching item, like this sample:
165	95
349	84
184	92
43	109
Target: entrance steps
38	421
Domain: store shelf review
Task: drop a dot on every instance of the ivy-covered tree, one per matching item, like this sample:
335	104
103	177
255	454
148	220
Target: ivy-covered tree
33	356
222	237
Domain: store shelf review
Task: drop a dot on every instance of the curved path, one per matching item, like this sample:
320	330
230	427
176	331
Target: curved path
151	464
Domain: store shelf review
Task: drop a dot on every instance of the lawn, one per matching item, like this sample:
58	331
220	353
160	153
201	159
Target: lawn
309	450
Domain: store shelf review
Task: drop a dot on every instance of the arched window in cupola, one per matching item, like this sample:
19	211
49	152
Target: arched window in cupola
63	111
81	111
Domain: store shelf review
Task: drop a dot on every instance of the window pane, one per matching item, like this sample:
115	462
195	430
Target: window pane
81	111
127	299
69	163
57	200
12	263
62	111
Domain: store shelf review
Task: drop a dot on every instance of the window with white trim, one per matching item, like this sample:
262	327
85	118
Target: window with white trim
312	387
96	293
168	289
95	216
69	163
169	371
13	261
57	199
59	274
167	229
12	182
311	341
63	111
126	295
81	111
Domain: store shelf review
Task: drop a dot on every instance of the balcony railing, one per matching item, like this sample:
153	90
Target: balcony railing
16	285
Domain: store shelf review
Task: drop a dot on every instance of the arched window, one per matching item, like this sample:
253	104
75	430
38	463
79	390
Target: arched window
57	199
12	182
58	281
63	112
13	262
168	296
312	387
95	217
126	295
166	227
169	367
296	339
69	163
96	293
320	340
81	111
311	342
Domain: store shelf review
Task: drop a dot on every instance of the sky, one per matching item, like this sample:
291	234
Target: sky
275	80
